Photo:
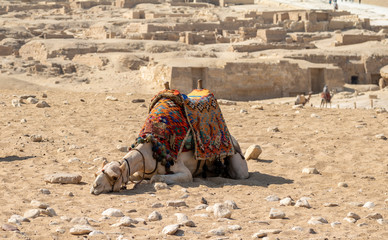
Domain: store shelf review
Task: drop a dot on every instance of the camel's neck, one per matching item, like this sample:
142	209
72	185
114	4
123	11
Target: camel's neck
135	158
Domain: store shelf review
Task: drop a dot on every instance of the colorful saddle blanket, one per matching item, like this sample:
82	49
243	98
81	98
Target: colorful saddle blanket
173	116
211	136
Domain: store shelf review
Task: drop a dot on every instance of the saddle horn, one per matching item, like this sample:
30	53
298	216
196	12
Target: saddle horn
199	85
167	85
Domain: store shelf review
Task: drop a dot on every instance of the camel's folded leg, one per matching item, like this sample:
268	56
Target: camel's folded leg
238	167
181	174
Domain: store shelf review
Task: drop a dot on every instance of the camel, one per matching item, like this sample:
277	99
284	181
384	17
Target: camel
142	162
326	97
301	99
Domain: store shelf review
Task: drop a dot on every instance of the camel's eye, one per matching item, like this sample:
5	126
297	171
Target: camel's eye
115	178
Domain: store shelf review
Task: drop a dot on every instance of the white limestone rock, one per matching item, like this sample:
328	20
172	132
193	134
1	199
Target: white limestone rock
317	221
253	152
309	170
276	214
32	100
349	219
96	233
157	205
231	204
170	229
125	221
111	98
36	138
81	230
154	216
369	205
302	203
63	178
273	129
74	160
32	213
374	216
201	206
272	198
286	202
382	221
234	227
113	212
176	203
343	184
77	220
221	211
334	224
353	215
38	204
42	104
218	231
17	219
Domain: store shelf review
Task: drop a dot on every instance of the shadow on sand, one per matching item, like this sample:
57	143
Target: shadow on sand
15	158
255	179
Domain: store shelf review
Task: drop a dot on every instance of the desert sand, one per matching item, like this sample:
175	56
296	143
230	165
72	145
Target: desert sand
346	146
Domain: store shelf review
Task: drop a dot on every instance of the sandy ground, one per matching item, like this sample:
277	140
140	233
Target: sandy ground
339	143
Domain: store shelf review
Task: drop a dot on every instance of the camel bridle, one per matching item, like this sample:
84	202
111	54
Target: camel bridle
129	172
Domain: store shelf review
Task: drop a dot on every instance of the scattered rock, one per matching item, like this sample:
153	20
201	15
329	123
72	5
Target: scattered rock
154	216
203	201
374	216
382	221
271	231
353	215
38	204
17	219
253	152
32	213
125	221
112	212
317	220
302	203
259	222
23	120
258	107
349	219
313	115
202	215
330	205
96	233
138	100
369	205
64	178
49	212
276	214
297	228
67	193
160	186
36	138
170	229
333	224
343	184
356	204
16	103
42	104
362	224
221	211
218	231
181	217
286	202
273	129
243	111
259	235
381	136
74	160
81	230
310	171
176	203
80	221
157	205
234	227
111	98
32	100
231	204
45	191
200	207
9	227
60	230
272	198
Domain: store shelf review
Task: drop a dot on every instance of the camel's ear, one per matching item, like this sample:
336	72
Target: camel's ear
104	163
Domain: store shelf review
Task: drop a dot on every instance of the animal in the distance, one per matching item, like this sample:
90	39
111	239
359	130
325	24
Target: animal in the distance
174	154
326	97
301	99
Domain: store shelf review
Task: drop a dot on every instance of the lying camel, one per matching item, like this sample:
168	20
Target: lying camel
150	159
115	175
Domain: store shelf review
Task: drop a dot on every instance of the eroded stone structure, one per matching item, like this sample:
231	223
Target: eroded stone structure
251	53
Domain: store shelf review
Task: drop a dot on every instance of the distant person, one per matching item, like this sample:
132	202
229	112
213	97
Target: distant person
359	1
330	2
335	5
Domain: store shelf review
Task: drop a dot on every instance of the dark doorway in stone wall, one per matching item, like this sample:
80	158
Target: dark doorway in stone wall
375	78
317	76
354	80
198	73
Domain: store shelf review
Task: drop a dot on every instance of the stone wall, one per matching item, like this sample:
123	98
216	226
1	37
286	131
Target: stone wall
347	39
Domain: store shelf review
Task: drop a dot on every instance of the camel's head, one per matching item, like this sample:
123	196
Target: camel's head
108	178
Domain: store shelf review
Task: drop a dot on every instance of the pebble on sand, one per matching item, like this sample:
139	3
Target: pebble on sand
160	186
221	211
176	203
63	178
309	170
111	98
343	184
81	230
369	205
253	152
276	214
170	229
154	216
317	220
9	227
113	212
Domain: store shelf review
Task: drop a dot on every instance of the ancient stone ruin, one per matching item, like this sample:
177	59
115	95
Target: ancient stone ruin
253	52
